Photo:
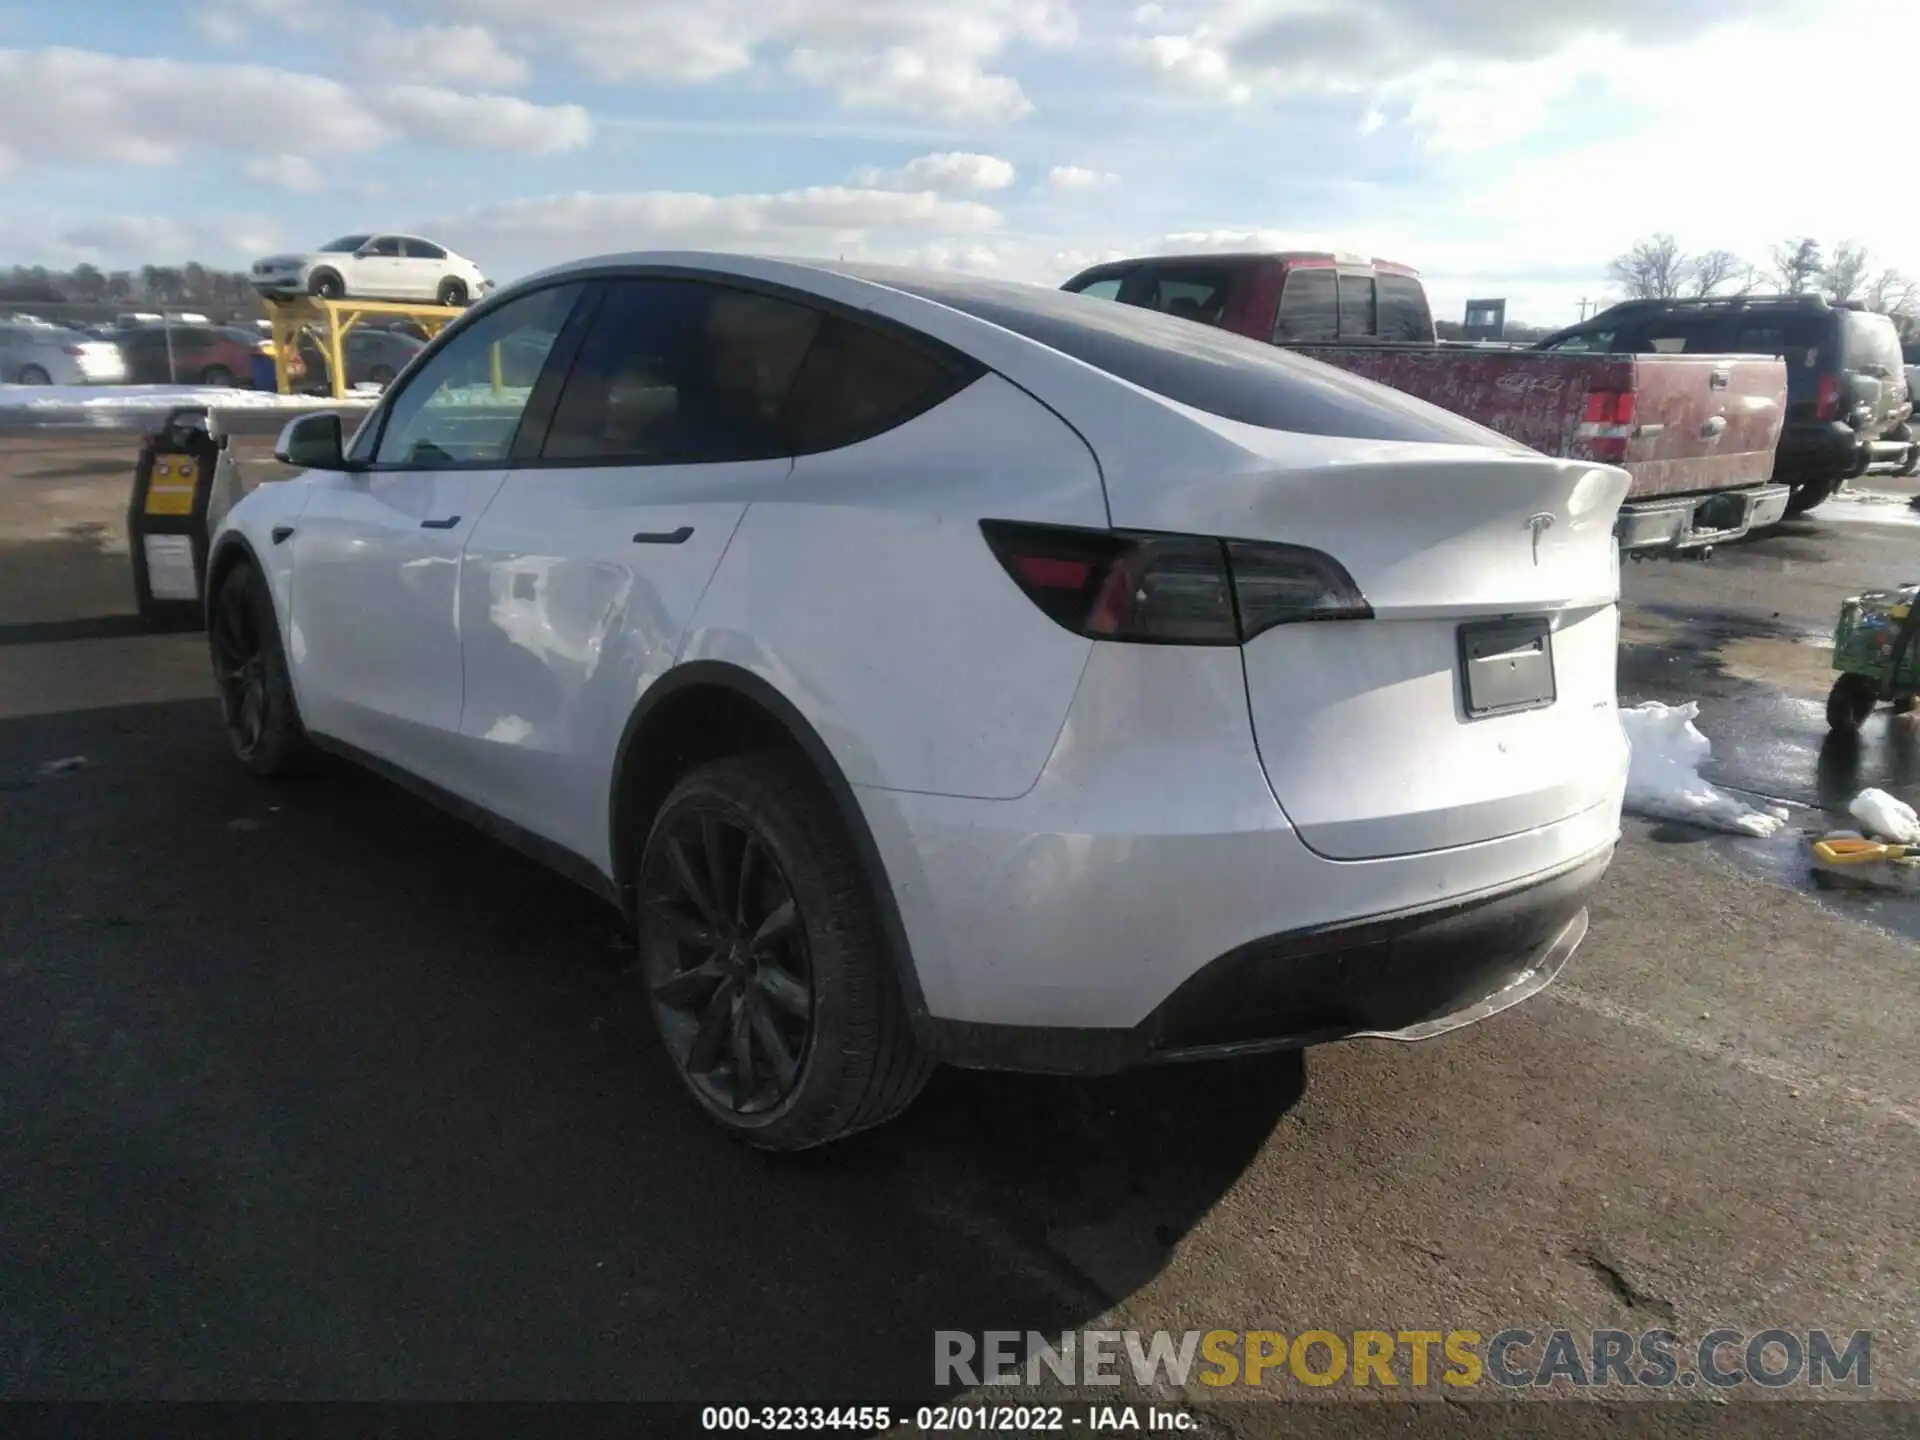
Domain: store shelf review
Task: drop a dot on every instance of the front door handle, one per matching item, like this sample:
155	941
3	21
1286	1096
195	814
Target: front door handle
663	537
446	524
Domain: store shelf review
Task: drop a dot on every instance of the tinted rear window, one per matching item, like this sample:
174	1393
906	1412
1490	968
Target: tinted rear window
1404	314
1805	342
1211	370
1309	307
1871	343
1357	308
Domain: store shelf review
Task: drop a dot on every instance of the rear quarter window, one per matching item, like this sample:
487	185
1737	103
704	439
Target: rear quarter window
1190	294
1215	371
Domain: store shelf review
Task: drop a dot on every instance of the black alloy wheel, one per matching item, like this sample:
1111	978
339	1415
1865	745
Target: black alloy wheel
729	974
240	666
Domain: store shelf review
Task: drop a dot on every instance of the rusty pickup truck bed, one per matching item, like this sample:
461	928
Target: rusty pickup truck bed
1696	432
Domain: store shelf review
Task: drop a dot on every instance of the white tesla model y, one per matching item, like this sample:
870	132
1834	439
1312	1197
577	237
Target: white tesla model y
937	669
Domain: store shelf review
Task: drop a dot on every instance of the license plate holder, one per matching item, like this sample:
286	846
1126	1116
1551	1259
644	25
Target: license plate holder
1506	666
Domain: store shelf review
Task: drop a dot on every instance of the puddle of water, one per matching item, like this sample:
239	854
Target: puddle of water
1788	860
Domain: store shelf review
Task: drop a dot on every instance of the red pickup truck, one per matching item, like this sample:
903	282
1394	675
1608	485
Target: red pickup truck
1696	432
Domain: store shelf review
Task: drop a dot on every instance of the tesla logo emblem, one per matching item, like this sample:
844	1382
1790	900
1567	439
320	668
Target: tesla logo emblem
1539	525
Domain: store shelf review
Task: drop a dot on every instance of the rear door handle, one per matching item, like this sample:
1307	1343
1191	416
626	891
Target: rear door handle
663	537
1716	426
446	524
1721	379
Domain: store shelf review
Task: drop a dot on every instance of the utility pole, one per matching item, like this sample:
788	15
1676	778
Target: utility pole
1583	307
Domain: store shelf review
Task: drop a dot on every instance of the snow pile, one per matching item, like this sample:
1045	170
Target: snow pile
1663	776
1881	814
154	397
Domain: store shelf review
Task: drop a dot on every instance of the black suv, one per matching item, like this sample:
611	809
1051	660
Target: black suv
1847	397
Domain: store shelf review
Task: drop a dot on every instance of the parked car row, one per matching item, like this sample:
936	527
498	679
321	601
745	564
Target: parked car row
1718	441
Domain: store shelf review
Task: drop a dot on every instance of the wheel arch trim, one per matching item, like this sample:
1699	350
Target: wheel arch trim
721	674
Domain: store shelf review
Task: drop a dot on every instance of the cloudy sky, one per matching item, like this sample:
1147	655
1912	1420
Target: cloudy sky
1504	147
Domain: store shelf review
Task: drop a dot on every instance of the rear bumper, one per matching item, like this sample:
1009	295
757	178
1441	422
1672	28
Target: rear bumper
1151	851
1408	976
1692	522
1834	450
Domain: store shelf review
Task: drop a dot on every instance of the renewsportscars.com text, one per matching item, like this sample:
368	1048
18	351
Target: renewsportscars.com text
1719	1359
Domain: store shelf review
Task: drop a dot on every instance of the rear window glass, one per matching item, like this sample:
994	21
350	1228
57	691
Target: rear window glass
1211	370
1680	335
1356	307
1404	314
1872	344
1803	341
1309	307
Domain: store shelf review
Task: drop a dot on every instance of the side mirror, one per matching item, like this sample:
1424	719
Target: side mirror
312	442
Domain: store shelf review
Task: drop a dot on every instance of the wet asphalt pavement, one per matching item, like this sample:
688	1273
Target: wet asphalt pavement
308	1091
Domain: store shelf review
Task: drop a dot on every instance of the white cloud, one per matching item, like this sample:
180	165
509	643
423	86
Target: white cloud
480	122
285	172
946	87
1078	179
546	229
80	105
228	22
459	54
925	57
111	240
1468	74
947	172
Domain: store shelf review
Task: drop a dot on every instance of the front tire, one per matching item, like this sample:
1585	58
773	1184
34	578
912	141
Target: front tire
217	375
326	285
764	960
256	693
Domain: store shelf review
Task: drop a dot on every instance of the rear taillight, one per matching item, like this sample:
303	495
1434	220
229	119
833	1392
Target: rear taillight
1827	405
1607	423
1171	589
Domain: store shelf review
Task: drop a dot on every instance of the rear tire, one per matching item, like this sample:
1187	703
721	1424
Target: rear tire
1850	702
33	375
763	957
381	375
217	375
1809	493
1903	704
452	292
256	693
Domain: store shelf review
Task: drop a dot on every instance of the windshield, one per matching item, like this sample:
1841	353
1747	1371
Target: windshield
345	245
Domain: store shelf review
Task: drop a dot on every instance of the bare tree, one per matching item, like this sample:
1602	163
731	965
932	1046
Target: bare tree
1711	269
1892	293
1847	272
1652	270
1797	264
